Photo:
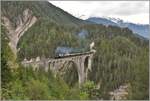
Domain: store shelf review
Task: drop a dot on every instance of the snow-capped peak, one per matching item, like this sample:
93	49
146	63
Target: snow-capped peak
115	20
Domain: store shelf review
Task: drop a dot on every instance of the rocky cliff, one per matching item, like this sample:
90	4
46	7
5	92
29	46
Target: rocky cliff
24	22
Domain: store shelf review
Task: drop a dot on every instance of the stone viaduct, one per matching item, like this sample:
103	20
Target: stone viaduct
82	61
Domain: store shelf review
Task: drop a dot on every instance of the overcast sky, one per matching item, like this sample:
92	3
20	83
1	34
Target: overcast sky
131	11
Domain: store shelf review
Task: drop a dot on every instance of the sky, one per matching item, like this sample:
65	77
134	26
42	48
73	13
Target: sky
129	11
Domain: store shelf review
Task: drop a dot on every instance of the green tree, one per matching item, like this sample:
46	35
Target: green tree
37	90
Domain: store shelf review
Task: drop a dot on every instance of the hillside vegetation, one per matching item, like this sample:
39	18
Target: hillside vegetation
121	57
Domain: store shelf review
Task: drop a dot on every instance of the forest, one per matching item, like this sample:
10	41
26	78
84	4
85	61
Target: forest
121	57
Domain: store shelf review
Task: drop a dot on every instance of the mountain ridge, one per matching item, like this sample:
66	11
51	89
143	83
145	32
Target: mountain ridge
140	29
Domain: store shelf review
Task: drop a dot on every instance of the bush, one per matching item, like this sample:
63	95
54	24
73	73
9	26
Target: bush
37	90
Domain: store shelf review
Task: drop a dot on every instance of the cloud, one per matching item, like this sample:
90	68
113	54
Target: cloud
124	9
121	8
131	8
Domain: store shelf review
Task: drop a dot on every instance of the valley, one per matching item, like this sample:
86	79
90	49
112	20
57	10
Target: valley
67	51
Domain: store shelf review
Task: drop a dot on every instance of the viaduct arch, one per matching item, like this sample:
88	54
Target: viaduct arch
83	63
69	73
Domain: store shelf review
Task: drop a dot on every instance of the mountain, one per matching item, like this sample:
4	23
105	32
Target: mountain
103	21
40	9
26	14
141	29
38	29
